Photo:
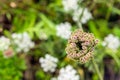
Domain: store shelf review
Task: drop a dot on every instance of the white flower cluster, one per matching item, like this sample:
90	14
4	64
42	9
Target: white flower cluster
4	43
22	42
79	13
64	30
68	73
70	5
111	42
49	63
82	15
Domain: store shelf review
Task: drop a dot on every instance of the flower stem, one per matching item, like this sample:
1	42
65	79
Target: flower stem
79	25
97	69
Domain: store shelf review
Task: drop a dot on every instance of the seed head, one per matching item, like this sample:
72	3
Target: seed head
80	46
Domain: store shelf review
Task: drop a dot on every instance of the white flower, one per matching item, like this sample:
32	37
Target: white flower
4	43
49	63
82	15
68	73
22	42
64	30
70	4
111	42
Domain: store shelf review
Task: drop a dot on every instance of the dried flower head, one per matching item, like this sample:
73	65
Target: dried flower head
80	46
8	53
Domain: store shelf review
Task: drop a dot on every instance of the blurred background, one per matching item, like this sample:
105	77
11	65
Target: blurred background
34	35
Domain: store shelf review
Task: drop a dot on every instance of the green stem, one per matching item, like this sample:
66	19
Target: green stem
97	69
79	25
79	21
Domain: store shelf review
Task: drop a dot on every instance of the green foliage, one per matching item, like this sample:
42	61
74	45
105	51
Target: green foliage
39	18
11	69
40	75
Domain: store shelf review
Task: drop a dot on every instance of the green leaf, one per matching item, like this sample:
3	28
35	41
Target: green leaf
116	10
7	33
109	52
92	27
116	31
47	21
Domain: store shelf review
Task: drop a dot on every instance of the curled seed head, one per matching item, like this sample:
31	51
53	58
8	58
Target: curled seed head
80	46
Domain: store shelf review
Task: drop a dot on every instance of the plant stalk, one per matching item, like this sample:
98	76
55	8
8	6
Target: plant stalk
97	69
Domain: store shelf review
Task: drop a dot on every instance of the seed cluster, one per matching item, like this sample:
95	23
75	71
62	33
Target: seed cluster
80	46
